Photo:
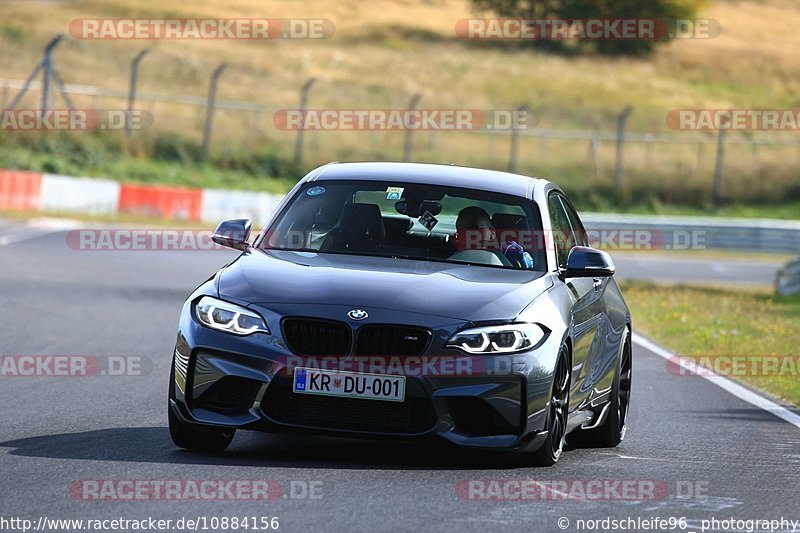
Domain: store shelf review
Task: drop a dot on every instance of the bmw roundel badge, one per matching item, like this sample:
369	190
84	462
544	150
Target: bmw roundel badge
357	314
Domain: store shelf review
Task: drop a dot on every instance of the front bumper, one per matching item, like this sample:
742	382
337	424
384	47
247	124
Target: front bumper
477	401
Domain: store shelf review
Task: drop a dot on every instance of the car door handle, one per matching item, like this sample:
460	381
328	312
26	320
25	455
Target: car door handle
598	283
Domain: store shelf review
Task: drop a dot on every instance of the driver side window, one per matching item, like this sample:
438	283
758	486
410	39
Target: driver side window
563	236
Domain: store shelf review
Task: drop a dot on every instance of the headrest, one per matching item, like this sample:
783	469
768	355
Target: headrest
397	226
504	221
361	225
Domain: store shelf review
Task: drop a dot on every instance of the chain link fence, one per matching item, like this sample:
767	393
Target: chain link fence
734	165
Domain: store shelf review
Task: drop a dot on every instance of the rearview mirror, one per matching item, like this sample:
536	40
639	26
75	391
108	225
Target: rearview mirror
233	233
414	209
585	262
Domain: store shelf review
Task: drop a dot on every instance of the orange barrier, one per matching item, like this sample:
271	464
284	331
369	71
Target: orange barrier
167	202
20	190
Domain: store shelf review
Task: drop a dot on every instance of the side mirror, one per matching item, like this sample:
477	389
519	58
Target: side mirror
585	262
233	233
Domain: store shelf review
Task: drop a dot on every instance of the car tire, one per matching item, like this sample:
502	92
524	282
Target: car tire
612	432
558	409
194	437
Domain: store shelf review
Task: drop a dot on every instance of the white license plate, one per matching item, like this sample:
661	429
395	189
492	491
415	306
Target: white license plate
349	384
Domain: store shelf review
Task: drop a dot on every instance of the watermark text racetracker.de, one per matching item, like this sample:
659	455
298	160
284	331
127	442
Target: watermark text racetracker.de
403	119
142	490
734	365
603	238
74	119
587	29
140	239
734	119
579	490
200	28
37	366
193	523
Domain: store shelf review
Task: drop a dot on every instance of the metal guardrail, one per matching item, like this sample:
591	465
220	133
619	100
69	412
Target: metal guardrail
746	235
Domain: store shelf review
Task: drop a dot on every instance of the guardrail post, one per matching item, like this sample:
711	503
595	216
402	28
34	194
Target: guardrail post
132	90
622	119
212	97
298	146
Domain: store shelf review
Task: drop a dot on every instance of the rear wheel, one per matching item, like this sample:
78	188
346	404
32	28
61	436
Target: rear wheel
612	431
194	437
558	408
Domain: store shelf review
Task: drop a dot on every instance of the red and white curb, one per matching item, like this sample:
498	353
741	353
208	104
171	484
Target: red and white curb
35	191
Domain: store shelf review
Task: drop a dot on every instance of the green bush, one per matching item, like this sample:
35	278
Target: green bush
666	10
168	159
173	147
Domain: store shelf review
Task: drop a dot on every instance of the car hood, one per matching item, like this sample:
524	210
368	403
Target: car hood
464	292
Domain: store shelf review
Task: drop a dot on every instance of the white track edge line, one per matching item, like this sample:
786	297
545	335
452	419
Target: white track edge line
728	385
20	235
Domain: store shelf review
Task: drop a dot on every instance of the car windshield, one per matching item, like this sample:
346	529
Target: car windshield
410	221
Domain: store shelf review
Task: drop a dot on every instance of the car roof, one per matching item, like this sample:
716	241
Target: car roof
447	175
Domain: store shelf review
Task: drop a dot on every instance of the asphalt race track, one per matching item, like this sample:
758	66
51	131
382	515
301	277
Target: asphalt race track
708	453
687	269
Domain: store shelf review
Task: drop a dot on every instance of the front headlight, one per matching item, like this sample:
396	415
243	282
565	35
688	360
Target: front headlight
509	338
228	317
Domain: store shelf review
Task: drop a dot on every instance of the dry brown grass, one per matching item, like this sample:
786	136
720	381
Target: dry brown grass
385	50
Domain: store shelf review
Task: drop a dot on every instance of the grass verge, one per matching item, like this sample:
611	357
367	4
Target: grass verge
722	322
167	160
175	160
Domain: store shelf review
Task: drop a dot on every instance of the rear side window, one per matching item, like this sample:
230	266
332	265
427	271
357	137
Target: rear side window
563	235
575	222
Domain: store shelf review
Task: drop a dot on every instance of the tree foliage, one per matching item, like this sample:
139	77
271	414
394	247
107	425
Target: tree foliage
663	10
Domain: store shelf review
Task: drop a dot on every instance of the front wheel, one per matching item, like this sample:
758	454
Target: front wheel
611	433
193	438
558	409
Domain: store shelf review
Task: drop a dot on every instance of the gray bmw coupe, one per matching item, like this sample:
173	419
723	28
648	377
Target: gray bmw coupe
409	300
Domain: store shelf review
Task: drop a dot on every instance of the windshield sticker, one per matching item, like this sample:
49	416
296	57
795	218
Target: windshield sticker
316	191
394	193
428	220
